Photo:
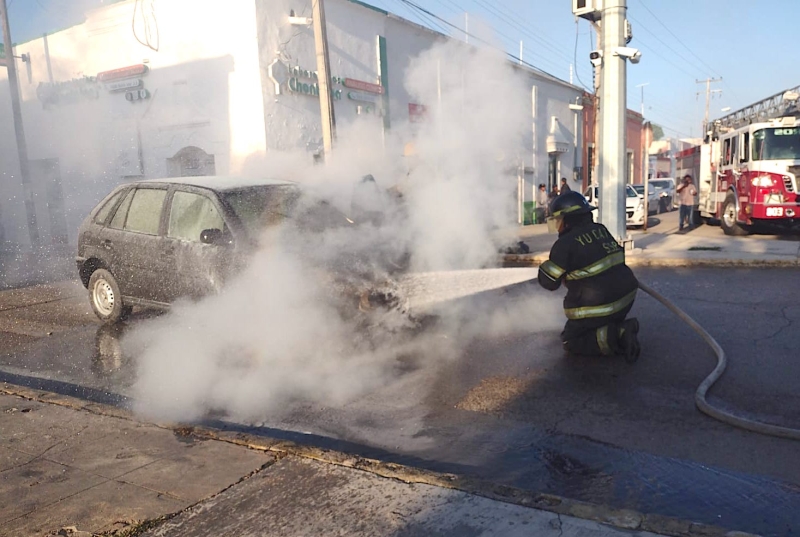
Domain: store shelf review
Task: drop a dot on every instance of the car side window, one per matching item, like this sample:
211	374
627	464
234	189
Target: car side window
190	215
102	215
122	211
144	213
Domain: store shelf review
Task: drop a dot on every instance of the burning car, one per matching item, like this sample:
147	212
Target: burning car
150	243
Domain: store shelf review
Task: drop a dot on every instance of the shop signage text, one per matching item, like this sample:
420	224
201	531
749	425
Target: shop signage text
124	84
137	95
123	72
298	72
364	97
304	88
295	80
67	92
363	86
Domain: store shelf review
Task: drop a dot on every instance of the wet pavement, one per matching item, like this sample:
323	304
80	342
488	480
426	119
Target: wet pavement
514	410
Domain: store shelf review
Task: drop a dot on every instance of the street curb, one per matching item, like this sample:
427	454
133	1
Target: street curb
637	260
624	519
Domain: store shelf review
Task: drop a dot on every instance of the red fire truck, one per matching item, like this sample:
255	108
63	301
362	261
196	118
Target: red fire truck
750	166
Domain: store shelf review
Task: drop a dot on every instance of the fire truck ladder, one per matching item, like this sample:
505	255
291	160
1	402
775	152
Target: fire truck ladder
781	104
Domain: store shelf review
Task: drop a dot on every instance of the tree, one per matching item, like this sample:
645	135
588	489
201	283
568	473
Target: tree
658	132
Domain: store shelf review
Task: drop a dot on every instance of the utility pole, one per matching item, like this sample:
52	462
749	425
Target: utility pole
643	166
709	95
647	130
642	86
612	142
323	75
594	170
19	130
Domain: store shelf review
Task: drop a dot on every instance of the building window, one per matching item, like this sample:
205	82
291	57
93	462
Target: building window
589	163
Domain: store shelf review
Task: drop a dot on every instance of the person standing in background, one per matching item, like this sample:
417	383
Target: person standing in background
542	201
686	193
564	186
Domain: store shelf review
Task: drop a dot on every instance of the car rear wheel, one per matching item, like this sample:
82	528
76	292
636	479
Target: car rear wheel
105	297
730	212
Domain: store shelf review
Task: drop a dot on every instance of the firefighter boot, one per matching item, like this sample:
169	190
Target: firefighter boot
629	341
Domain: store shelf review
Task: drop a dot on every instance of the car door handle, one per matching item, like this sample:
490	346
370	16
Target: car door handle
107	244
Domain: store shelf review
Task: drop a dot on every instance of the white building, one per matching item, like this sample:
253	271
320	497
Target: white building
200	91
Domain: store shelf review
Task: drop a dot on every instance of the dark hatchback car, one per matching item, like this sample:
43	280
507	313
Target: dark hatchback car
151	242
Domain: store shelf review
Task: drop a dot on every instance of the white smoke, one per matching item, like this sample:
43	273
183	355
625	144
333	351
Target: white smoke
289	327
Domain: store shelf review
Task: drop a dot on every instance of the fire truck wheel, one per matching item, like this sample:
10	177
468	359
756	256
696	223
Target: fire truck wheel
730	211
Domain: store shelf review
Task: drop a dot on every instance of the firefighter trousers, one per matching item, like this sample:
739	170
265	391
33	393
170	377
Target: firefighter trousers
599	336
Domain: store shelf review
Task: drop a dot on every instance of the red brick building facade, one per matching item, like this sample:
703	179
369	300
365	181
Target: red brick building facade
633	169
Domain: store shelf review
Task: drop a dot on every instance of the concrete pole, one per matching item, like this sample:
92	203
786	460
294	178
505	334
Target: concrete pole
709	93
19	130
324	76
47	58
644	146
646	130
612	121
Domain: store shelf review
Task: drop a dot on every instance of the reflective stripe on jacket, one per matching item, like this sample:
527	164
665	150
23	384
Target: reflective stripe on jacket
591	263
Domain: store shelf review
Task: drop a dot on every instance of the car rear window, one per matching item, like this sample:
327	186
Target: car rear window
102	215
144	213
262	206
122	211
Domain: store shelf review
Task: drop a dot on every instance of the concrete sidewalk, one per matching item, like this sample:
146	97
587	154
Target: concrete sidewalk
69	467
664	245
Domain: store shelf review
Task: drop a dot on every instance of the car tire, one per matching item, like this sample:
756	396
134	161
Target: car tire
105	297
730	212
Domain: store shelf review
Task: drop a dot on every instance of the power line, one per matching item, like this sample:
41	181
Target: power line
713	71
645	46
487	43
575	57
665	44
505	17
450	6
422	18
510	41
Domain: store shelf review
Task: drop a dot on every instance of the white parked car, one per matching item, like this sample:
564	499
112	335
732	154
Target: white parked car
664	187
634	204
653	198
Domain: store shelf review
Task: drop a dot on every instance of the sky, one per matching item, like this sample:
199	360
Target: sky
750	45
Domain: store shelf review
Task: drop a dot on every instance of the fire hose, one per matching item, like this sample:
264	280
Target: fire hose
722	362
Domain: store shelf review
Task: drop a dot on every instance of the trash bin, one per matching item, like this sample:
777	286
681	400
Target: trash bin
529	213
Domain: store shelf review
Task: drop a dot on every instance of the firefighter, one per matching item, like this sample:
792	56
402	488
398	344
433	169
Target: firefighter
601	288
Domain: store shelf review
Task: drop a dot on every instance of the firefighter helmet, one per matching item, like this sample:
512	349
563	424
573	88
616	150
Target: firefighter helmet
570	203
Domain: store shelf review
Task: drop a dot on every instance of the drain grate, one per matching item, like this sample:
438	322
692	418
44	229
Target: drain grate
705	249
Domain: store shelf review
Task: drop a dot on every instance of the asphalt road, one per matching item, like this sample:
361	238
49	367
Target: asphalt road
513	409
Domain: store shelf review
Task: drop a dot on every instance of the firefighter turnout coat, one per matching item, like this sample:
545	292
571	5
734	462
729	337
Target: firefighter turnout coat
601	288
